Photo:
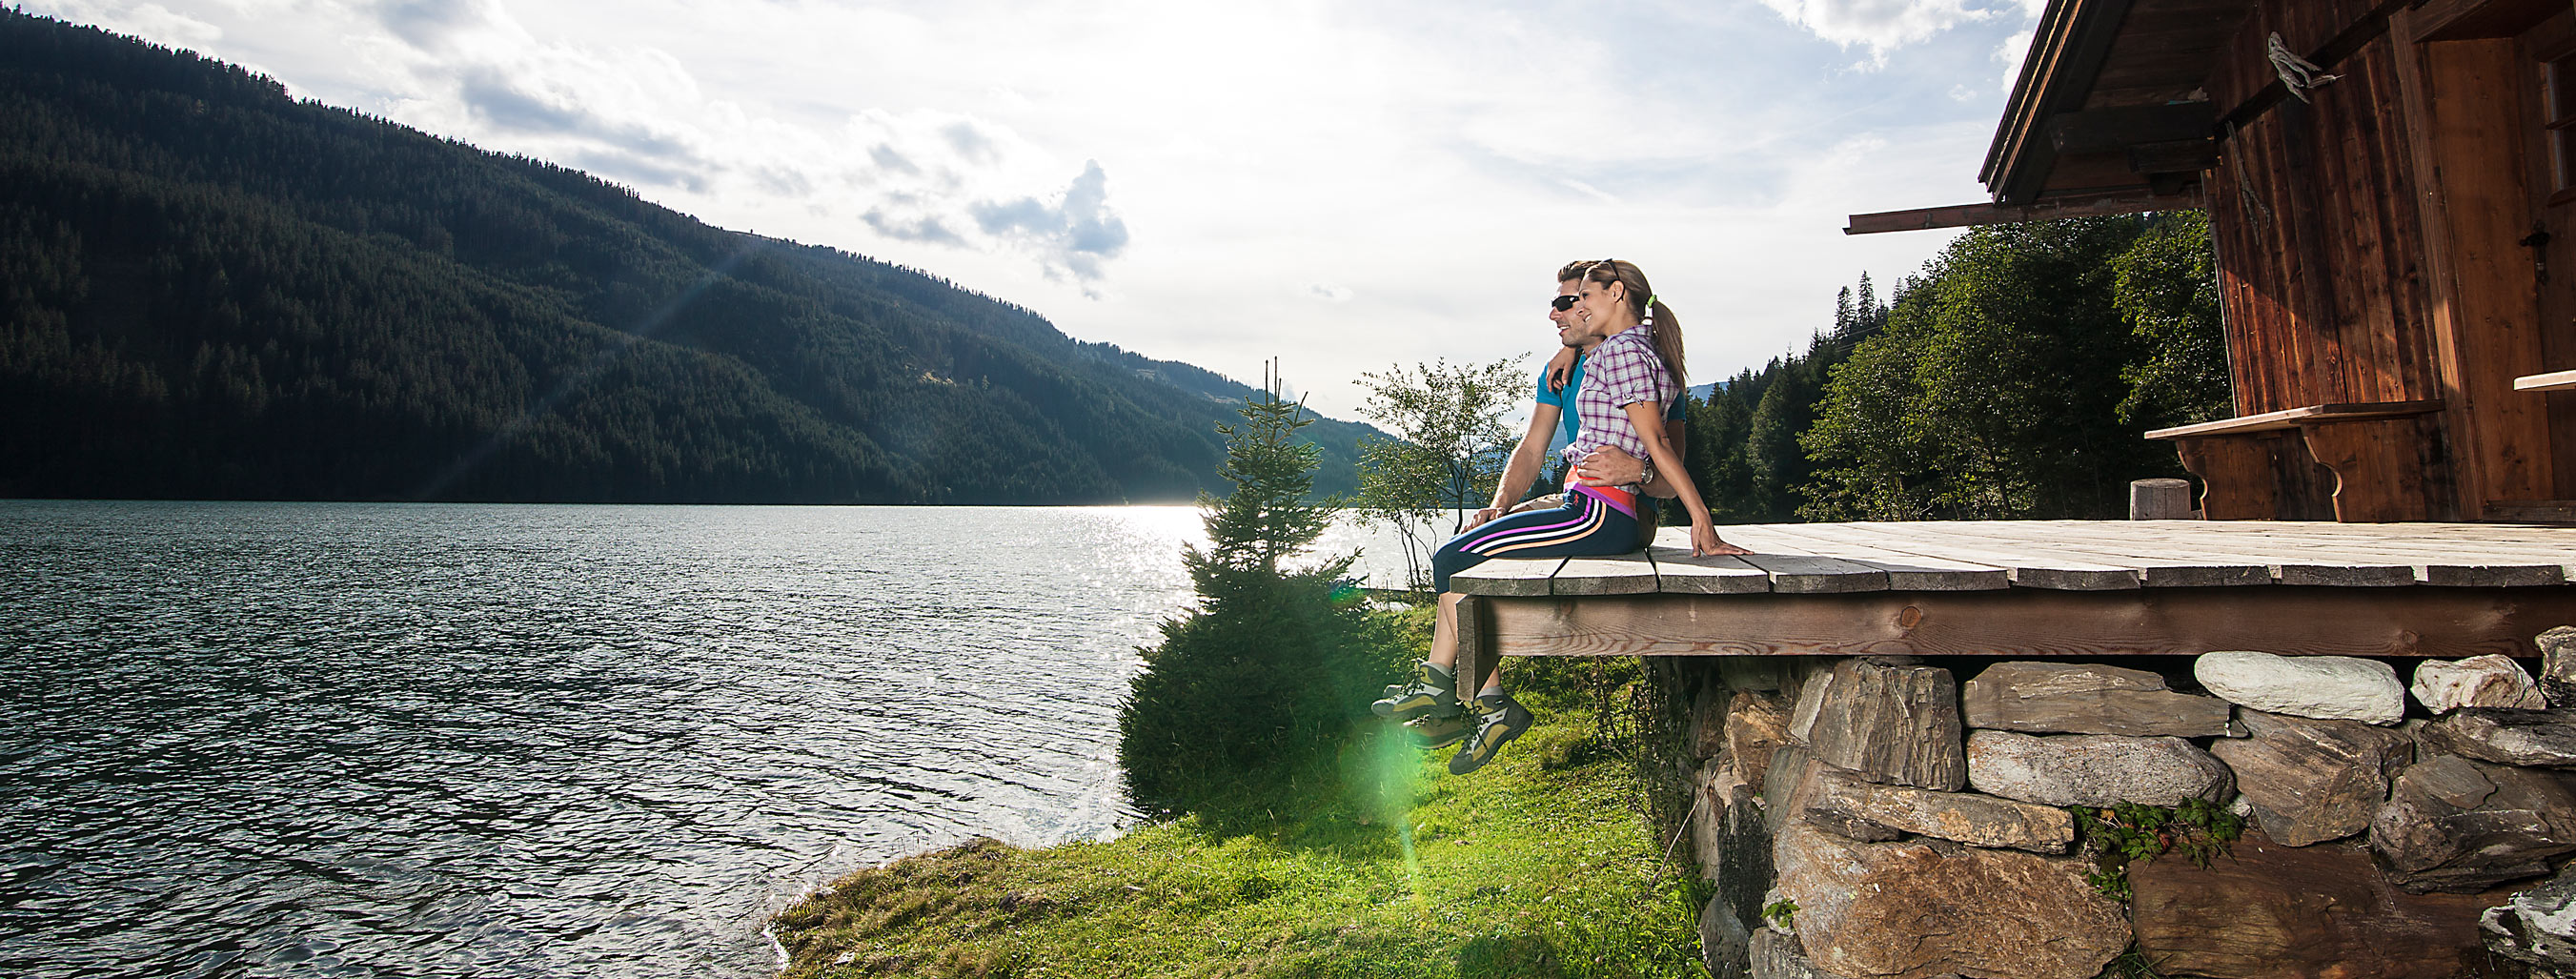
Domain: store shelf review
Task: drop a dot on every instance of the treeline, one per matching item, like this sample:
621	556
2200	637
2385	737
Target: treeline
209	289
2010	379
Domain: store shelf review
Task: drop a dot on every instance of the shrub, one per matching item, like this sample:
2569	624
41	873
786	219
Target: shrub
1262	679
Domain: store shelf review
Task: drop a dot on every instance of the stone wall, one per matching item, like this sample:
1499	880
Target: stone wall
1901	818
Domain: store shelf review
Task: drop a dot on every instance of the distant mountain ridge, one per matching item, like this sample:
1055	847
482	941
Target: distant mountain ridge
209	289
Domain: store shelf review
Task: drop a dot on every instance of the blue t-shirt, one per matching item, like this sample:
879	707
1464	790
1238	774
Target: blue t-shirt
1564	401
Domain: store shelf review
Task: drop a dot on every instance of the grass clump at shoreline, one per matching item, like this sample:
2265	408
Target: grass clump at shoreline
1536	866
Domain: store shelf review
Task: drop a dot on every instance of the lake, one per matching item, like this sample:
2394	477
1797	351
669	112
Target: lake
267	739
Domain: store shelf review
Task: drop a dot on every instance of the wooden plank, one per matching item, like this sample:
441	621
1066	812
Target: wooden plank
2459	562
1792	568
2324	414
2379	474
1624	574
1678	573
2284	565
1905	572
2155	568
2464	101
1507	576
2235	476
2030	567
1477	655
2534	511
2463	20
2098	130
2449	623
2139	201
2287	566
2552	381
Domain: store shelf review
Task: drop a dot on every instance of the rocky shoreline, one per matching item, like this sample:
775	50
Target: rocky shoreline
1876	818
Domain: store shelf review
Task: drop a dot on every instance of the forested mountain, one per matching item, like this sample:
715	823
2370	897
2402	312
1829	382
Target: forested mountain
209	289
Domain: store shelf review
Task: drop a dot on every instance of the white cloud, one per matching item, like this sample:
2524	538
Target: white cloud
2011	52
1345	185
149	21
1881	26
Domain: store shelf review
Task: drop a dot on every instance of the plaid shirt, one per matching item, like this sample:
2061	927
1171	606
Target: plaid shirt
1621	371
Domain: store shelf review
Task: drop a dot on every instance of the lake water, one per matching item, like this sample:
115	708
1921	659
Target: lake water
243	739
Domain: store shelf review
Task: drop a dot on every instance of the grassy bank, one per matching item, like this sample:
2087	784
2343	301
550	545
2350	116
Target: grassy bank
1536	866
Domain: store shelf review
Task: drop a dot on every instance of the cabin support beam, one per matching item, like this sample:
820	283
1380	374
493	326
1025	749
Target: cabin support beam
2449	623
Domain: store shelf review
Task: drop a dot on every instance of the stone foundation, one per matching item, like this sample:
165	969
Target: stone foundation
1903	818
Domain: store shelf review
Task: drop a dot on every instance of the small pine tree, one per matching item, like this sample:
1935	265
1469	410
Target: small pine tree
1276	661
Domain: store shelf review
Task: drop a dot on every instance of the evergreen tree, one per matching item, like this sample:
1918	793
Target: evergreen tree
1266	674
1994	390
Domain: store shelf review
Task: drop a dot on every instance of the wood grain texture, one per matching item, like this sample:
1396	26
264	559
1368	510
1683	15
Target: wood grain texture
2268	911
1624	574
1677	572
1795	568
2235	477
2450	623
1905	570
1507	576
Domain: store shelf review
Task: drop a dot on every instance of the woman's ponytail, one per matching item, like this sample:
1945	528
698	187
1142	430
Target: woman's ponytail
1668	342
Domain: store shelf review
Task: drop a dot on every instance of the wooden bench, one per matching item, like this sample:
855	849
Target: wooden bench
2262	467
2552	381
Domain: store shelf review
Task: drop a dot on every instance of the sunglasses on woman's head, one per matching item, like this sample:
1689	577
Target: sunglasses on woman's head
1561	303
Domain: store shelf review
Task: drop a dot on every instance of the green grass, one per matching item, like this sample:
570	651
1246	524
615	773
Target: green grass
1536	866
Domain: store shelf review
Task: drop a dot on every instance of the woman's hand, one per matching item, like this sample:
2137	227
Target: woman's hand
1704	542
1484	517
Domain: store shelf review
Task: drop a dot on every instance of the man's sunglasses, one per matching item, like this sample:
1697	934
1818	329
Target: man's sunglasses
1561	303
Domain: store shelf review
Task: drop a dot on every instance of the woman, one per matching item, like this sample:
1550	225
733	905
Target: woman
1632	372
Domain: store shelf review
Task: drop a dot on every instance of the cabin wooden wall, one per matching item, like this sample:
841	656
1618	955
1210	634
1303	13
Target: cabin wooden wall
2319	244
2369	240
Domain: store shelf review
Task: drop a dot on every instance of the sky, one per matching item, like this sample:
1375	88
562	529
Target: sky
1343	186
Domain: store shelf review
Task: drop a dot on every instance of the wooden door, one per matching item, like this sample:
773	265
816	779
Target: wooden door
2547	54
2475	115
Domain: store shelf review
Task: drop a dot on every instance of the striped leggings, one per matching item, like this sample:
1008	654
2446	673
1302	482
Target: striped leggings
1583	526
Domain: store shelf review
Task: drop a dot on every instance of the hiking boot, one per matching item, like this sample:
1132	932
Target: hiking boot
1432	693
1437	732
1499	719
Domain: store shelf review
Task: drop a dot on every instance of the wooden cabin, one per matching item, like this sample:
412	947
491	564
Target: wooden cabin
2390	184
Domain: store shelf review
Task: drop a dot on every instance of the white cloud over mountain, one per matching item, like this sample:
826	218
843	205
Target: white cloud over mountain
1347	185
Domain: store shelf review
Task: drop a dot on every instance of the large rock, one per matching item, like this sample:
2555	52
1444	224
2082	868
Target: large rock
1756	726
2073	698
1920	909
2093	769
2267	911
1724	944
2492	680
2457	825
2537	926
1777	956
2558	666
1707	731
1719	789
2337	687
2311	780
1887	722
1866	811
2539	738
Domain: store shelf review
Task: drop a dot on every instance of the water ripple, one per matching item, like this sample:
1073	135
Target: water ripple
384	741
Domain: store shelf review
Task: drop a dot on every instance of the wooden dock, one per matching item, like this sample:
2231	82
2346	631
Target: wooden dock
2040	588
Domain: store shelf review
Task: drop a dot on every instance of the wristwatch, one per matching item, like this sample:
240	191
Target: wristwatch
1645	472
